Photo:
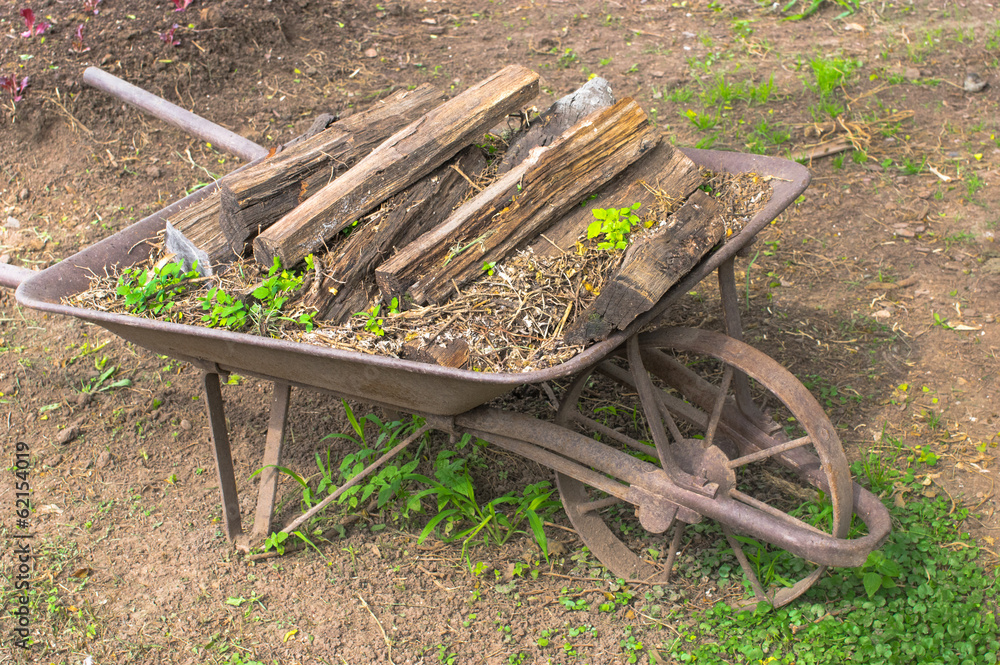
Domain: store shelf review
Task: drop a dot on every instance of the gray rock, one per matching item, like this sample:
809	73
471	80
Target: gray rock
974	82
992	267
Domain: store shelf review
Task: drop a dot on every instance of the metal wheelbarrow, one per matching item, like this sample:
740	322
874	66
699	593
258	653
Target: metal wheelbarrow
711	402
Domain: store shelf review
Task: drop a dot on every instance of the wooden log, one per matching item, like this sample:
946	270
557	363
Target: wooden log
664	168
258	196
650	268
595	94
518	206
349	278
565	112
401	160
454	353
199	222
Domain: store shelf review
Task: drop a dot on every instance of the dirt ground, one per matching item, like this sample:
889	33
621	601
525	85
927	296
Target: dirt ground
878	289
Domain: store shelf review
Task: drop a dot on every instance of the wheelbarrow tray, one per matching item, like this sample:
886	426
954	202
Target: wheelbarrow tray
396	383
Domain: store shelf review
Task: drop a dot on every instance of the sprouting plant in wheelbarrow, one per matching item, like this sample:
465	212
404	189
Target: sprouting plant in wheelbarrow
166	292
264	306
156	291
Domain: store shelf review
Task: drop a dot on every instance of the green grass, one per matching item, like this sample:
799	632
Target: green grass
832	73
923	598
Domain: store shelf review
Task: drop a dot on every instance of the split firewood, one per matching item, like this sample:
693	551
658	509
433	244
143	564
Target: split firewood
199	222
342	142
664	170
349	280
449	354
518	206
258	196
404	158
650	268
595	94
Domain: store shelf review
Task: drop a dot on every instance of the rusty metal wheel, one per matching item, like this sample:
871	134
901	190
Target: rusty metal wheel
718	410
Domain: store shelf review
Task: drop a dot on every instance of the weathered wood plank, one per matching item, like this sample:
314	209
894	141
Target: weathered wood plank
351	263
454	353
401	160
518	206
199	222
663	168
565	112
258	196
650	268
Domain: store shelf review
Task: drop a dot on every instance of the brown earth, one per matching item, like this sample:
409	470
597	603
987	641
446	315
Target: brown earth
878	289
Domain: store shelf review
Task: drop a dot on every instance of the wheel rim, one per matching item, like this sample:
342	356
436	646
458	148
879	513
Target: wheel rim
686	400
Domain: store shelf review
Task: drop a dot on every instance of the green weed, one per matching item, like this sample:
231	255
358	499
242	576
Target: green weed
615	224
972	185
832	73
849	7
460	516
922	598
567	59
266	301
98	384
156	291
703	121
390	482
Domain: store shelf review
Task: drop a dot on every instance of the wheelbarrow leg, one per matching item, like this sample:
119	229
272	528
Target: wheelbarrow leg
272	457
223	455
734	328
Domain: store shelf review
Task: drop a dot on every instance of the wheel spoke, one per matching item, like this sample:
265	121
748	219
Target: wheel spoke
758	589
720	401
771	510
600	504
675	544
612	433
647	397
768	452
669	404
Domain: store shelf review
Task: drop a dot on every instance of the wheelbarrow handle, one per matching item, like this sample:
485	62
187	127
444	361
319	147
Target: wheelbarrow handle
193	124
12	276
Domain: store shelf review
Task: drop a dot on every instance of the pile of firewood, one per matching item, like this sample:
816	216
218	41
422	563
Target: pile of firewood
399	202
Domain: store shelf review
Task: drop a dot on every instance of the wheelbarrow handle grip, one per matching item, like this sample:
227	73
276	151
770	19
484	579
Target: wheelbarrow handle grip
193	124
12	276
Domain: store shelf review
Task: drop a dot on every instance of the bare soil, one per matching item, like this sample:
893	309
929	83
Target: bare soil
878	289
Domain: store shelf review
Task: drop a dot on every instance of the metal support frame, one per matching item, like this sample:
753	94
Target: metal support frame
264	513
223	455
272	458
734	328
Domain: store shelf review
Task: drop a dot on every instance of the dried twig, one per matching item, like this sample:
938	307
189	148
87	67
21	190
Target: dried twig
378	623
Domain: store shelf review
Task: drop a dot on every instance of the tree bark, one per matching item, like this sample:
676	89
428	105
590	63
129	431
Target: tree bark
401	160
519	206
664	168
349	275
258	196
650	268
